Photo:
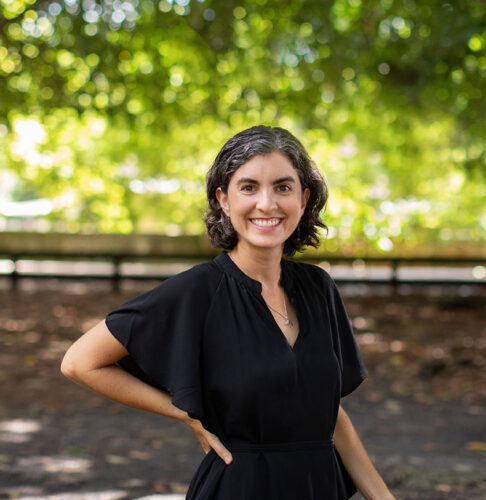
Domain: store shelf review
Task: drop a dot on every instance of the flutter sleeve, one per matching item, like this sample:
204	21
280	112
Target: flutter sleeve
353	370
161	330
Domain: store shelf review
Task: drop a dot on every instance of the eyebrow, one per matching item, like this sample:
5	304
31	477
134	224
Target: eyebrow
244	180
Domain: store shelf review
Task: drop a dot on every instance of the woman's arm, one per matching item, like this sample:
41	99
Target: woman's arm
90	361
357	462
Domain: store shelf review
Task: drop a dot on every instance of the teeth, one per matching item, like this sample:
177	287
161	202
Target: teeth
265	222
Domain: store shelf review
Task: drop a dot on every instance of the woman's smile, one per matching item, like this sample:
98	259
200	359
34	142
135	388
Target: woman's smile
266	224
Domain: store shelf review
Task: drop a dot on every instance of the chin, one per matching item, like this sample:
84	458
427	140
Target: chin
269	245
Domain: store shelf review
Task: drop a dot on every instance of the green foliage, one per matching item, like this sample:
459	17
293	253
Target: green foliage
115	110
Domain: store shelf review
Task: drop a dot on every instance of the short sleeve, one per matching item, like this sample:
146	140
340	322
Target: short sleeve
353	370
161	330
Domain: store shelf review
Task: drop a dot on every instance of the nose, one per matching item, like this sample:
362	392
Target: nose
266	201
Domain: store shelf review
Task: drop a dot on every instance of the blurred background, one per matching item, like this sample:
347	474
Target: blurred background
111	114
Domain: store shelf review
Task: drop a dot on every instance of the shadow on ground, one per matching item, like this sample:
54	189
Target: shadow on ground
420	413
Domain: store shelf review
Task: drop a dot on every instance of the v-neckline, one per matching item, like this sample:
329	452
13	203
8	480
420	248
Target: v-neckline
287	282
277	326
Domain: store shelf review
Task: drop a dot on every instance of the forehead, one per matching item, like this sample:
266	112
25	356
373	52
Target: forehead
262	167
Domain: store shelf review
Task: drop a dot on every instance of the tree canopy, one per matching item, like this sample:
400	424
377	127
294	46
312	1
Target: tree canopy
112	111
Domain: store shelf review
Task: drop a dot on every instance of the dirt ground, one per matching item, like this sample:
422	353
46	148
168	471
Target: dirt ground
421	412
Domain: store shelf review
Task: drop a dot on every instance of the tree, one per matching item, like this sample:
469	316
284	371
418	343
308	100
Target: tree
115	110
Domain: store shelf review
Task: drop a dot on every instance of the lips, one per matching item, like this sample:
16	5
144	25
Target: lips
274	221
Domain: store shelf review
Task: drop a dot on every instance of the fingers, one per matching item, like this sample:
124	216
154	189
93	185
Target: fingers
210	441
222	451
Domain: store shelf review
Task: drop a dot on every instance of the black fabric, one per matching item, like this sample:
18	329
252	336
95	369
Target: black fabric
207	337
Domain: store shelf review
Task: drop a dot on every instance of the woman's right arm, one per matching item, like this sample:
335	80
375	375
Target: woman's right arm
91	361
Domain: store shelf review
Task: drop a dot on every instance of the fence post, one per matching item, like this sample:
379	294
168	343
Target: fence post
394	277
116	274
14	275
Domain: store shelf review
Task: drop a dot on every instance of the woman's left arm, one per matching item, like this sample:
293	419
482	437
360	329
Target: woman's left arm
357	462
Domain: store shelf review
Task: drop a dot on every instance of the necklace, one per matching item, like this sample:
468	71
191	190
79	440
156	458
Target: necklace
286	317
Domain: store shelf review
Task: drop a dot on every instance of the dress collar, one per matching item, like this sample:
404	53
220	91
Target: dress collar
227	264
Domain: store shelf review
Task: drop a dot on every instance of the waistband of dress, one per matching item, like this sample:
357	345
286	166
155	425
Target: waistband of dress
283	446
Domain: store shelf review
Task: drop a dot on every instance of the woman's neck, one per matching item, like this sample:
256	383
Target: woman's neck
262	265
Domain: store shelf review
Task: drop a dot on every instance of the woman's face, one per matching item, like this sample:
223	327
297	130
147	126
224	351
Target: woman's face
264	200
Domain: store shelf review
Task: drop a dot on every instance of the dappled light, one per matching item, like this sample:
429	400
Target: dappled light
112	112
54	465
36	494
18	431
116	111
426	359
19	426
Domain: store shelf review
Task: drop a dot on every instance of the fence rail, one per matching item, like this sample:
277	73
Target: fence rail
118	250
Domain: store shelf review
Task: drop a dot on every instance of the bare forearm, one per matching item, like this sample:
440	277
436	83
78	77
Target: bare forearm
116	384
357	462
91	362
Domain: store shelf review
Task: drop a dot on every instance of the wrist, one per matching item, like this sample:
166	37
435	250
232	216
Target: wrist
191	422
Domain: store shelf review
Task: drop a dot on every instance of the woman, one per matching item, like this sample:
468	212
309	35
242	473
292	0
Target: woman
252	351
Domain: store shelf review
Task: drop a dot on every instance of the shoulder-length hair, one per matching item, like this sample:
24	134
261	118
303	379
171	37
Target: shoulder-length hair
263	140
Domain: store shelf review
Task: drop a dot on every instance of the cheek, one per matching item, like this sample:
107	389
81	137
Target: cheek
240	204
294	206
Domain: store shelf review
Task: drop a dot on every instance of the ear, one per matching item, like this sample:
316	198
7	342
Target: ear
305	199
223	200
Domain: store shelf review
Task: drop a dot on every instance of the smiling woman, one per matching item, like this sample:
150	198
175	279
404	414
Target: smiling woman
251	350
273	171
265	201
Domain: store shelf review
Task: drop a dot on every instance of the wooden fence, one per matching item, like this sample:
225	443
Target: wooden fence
117	249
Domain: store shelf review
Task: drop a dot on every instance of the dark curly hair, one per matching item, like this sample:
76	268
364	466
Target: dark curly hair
263	140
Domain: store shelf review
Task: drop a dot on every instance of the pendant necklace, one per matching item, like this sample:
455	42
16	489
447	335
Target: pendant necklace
286	317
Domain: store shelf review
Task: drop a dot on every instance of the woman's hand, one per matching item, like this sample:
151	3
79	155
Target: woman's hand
209	441
91	361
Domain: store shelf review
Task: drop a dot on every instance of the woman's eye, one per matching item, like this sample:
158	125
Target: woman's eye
284	187
248	187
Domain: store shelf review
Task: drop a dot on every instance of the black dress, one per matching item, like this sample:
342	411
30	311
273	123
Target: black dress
207	337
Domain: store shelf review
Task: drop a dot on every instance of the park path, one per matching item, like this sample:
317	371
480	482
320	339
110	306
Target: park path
420	413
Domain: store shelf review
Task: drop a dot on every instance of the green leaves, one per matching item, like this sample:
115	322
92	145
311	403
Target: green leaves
387	96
